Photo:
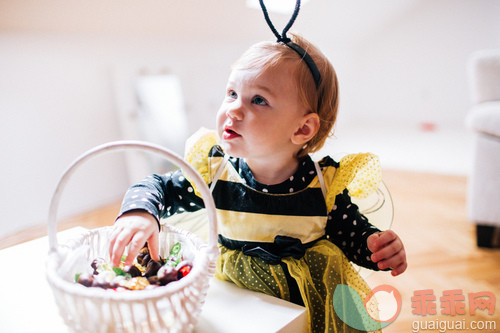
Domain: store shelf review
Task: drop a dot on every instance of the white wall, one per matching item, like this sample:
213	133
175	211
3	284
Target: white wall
412	68
56	99
402	61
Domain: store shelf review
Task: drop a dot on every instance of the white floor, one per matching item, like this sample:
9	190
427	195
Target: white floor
445	150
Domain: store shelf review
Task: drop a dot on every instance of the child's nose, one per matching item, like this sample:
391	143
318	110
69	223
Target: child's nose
235	110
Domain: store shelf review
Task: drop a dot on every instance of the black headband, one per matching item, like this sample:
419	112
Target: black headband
285	40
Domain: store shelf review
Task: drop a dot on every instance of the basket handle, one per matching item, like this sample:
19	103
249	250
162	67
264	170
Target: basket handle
134	145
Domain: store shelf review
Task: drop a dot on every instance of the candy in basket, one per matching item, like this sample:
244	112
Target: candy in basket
173	307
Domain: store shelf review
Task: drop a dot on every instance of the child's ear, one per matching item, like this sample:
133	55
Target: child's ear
309	126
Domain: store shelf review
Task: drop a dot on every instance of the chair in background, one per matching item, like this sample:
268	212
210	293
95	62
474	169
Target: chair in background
483	197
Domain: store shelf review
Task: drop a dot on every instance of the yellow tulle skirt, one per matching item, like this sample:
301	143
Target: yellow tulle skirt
317	274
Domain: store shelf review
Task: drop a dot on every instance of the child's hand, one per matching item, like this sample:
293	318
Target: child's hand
133	229
388	251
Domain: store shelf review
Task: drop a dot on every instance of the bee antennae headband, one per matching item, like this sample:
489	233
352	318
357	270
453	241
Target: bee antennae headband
285	40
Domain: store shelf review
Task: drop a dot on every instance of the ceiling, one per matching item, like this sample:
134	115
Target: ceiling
223	20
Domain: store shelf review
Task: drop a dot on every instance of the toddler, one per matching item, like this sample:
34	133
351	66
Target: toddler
287	226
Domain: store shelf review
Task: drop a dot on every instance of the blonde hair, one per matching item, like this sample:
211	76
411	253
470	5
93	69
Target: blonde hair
322	100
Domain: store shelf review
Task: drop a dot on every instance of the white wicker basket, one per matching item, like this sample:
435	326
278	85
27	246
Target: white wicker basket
172	308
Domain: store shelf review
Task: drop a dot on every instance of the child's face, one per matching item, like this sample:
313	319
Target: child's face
260	113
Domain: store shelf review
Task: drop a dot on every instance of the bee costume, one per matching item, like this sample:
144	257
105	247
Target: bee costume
293	240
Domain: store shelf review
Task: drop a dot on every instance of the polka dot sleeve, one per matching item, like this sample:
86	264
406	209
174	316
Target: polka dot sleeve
349	229
162	196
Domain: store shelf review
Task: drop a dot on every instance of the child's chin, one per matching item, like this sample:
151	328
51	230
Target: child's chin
230	150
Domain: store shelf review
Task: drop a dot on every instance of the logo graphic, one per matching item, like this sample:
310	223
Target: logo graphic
380	308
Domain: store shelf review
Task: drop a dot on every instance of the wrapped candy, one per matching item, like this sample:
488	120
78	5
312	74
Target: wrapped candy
144	273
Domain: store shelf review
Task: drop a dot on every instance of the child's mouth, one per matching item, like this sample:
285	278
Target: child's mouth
229	134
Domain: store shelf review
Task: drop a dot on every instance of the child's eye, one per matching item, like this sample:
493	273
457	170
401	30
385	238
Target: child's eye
232	94
259	100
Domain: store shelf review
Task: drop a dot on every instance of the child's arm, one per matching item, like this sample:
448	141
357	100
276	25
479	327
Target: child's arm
349	230
388	251
143	206
361	242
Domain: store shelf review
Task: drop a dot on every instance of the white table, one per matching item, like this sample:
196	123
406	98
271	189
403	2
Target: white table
27	304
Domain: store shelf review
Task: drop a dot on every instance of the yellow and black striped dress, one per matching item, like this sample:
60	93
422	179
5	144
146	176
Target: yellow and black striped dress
293	240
